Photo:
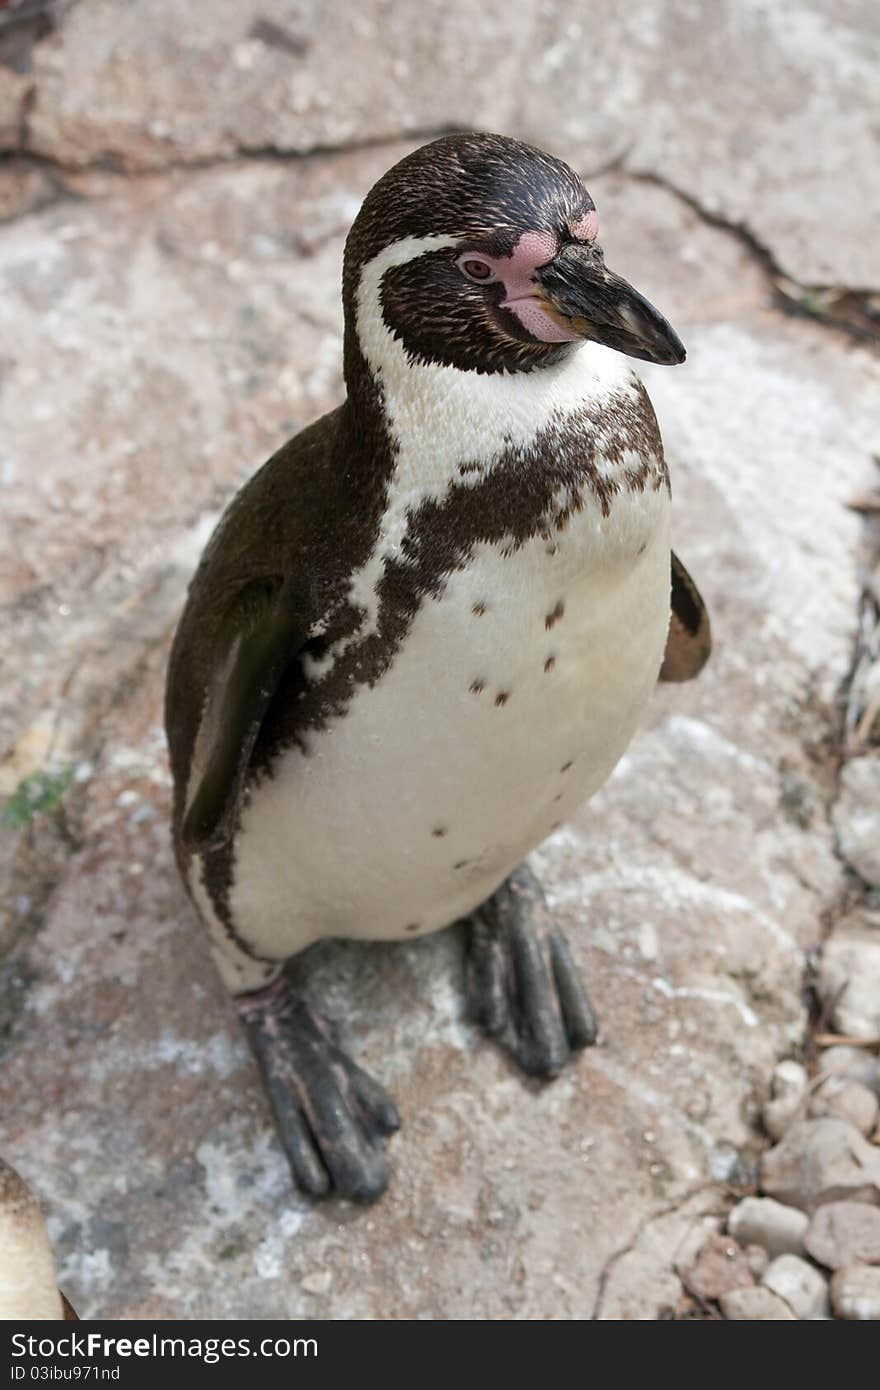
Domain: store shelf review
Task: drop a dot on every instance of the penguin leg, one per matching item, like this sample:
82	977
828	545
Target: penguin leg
331	1117
539	1014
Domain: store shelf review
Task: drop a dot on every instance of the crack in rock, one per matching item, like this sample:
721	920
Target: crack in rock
850	309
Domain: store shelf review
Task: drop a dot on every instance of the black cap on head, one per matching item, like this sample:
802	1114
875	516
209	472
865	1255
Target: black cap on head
467	185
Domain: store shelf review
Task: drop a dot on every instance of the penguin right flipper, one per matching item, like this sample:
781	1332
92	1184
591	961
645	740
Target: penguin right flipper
689	643
261	633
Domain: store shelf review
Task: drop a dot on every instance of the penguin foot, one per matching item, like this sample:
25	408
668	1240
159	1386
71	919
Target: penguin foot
331	1117
539	1015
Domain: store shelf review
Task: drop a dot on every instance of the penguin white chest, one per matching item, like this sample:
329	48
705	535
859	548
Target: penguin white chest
508	702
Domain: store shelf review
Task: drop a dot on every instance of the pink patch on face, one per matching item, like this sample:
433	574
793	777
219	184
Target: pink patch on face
535	320
586	228
517	274
533	249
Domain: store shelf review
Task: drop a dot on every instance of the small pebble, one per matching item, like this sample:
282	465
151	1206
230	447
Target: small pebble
727	1164
789	1081
847	1100
855	1293
787	1090
778	1116
855	1063
319	1282
778	1229
856	816
845	1233
800	1284
821	1161
849	979
720	1266
755	1305
757	1259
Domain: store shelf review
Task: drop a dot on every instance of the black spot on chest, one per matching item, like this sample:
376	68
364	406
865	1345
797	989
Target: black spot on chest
554	616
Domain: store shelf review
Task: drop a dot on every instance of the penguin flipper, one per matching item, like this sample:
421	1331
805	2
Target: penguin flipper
690	636
261	633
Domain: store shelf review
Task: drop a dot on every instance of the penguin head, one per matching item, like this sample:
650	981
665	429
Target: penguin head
481	253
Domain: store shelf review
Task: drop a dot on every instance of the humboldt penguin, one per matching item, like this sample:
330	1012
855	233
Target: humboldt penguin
424	631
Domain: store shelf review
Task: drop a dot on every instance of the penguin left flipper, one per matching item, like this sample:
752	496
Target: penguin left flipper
540	1016
262	631
690	636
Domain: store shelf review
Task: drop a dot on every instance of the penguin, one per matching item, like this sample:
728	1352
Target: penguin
423	633
28	1286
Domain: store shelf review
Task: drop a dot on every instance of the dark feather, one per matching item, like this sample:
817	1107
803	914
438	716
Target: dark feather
690	638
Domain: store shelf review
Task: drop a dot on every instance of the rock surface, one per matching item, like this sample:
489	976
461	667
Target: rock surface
845	1233
134	86
641	1281
159	336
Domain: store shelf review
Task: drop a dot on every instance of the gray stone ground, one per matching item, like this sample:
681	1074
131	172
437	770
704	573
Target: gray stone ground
169	313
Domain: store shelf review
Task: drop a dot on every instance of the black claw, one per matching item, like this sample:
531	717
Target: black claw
485	987
376	1104
358	1170
308	1170
578	1014
331	1116
538	1014
545	1050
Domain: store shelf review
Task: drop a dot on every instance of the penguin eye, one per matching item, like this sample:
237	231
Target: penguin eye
476	269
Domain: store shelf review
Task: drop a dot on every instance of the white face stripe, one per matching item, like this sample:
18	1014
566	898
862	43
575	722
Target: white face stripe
369	296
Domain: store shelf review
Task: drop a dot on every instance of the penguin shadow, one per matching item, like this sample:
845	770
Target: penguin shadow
389	1001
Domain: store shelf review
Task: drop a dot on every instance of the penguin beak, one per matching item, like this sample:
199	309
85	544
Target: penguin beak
580	294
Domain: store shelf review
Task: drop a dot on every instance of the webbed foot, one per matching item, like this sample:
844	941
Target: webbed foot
540	1015
331	1117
